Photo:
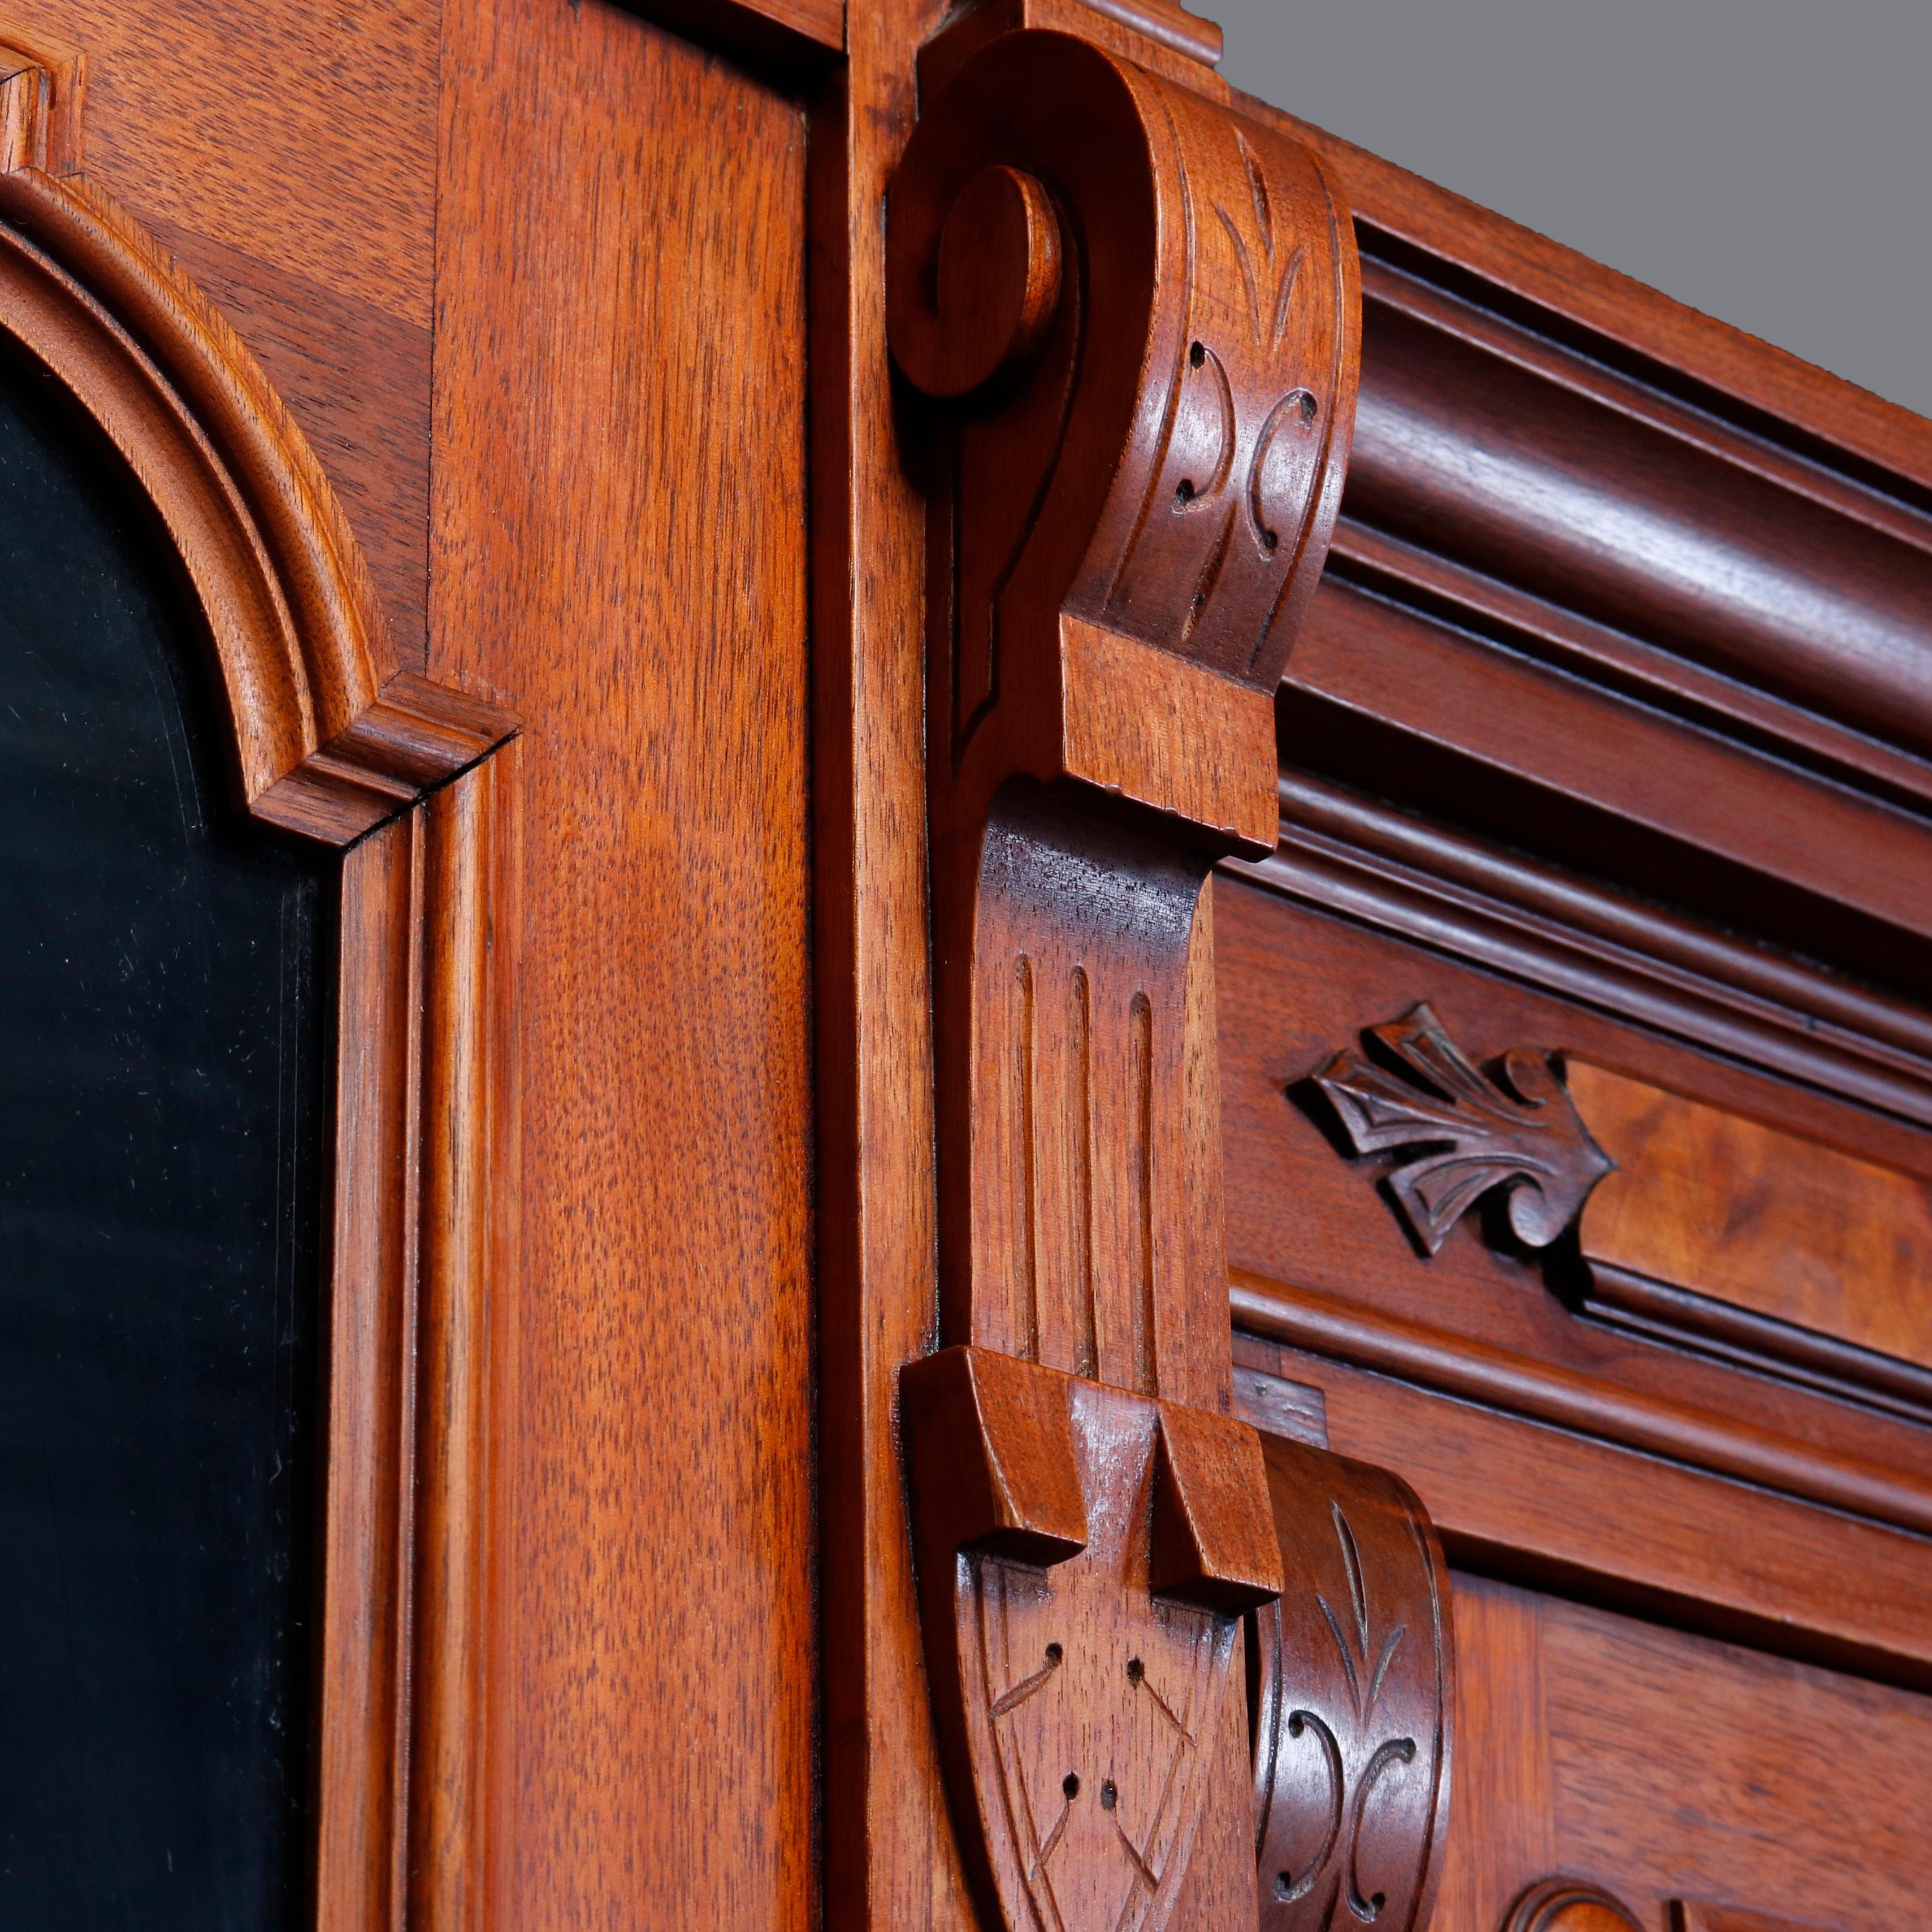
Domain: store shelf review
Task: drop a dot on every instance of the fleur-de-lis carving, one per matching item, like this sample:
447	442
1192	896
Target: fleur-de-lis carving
1475	1133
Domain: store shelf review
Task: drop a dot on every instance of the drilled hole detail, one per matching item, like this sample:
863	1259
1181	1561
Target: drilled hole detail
1183	492
1070	1784
1136	1670
1197	355
1109	1796
1055	1656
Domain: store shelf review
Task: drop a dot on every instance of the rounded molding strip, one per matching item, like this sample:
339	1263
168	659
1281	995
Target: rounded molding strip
1570	1905
330	740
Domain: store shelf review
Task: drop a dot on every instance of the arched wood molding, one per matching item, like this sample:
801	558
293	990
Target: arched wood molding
424	1195
1570	1905
330	741
1136	313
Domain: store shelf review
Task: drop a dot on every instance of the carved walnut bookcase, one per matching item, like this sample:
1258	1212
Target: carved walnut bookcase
1130	1009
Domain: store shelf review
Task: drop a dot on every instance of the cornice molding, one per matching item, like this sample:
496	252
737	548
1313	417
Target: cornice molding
1548	926
1618	586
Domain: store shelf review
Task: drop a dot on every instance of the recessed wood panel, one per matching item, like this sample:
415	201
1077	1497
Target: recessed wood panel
1667	1767
1297	986
1787	1228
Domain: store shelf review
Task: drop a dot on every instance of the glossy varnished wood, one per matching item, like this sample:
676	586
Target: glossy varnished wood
1354	1678
1780	1227
620	538
1460	1136
327	275
1479	899
1628	591
797	40
1570	1905
329	741
1303	1214
1682	1780
1636	802
1123	531
890	1857
1688	1915
422	1273
1772	1571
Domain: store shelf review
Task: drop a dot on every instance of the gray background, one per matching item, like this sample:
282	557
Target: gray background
1768	161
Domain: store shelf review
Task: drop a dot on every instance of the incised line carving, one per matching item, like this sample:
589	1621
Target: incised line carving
1139	312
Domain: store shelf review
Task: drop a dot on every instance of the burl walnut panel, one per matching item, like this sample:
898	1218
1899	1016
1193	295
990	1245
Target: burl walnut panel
1780	1227
1304	1210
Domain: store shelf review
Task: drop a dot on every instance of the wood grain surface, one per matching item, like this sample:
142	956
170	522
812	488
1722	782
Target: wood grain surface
1675	1779
792	39
1687	1915
1521	1500
1570	1905
289	158
1610	732
1502	1766
620	539
1685	1769
1126	519
362	1656
1629	326
890	1857
422	1292
325	742
1354	1693
1780	1225
329	738
1711	1439
1303	1214
1480	900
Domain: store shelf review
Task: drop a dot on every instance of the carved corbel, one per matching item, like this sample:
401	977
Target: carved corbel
1136	313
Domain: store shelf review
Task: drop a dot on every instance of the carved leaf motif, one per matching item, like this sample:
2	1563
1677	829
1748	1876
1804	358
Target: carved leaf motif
1473	1133
1270	288
1338	1860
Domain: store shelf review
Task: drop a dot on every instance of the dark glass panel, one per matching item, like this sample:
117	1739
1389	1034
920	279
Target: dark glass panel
160	1063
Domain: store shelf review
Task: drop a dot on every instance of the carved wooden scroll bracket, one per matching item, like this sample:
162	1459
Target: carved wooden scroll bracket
1137	313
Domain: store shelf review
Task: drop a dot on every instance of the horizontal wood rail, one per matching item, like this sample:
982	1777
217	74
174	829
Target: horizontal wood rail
1499	1378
